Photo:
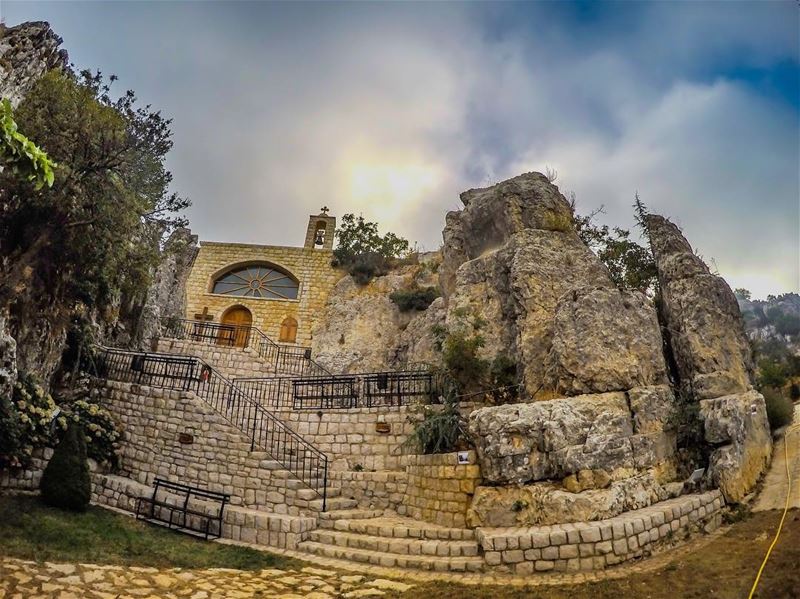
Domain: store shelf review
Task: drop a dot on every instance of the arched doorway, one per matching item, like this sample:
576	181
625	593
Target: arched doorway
235	329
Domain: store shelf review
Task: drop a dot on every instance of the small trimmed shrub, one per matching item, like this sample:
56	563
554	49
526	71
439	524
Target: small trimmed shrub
779	407
414	299
65	481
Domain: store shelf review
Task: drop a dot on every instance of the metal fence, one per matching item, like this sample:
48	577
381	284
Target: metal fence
266	432
286	359
342	392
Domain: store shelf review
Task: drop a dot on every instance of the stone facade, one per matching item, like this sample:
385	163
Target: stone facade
596	545
310	266
439	488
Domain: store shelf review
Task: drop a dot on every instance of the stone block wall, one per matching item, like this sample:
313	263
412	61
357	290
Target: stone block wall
439	489
373	490
218	458
309	266
584	546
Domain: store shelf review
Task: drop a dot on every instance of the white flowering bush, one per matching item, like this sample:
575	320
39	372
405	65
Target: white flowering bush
31	419
103	433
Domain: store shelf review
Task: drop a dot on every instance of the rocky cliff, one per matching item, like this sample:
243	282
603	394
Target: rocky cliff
27	52
595	432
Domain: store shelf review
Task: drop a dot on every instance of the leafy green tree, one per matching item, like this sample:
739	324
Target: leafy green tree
363	251
20	155
630	264
65	481
742	293
93	236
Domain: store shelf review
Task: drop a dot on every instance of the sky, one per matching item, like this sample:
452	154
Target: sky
391	110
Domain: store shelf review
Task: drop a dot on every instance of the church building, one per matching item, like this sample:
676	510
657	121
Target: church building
277	289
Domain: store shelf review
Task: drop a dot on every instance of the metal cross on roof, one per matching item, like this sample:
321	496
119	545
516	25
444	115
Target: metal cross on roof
324	210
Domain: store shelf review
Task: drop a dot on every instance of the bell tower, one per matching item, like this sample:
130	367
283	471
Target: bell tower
321	228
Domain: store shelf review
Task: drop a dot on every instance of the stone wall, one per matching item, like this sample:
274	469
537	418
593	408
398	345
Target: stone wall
439	489
595	545
311	267
218	458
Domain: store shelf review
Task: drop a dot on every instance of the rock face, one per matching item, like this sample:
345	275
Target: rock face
521	443
363	330
166	297
738	428
27	52
513	260
712	355
707	336
604	340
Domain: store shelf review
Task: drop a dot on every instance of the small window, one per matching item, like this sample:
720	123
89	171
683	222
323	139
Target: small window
262	281
288	330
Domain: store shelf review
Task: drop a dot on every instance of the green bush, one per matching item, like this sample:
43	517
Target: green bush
10	433
779	407
103	434
24	421
504	380
414	299
65	481
363	251
440	429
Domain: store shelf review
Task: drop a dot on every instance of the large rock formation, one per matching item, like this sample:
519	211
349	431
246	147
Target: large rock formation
513	260
713	360
27	52
363	330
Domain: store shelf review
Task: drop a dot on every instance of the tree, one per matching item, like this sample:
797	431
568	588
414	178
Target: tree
65	481
94	235
20	155
363	251
630	264
742	294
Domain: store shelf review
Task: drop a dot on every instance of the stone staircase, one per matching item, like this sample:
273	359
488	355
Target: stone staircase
369	536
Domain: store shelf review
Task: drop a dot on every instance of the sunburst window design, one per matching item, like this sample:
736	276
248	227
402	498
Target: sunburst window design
257	281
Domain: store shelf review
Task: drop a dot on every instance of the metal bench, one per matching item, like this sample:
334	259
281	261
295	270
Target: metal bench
184	508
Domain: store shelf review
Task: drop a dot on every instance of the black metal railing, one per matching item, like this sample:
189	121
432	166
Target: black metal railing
346	391
266	432
287	359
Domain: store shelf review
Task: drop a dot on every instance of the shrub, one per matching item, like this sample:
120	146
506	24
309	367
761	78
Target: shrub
103	434
504	381
363	252
441	429
24	421
779	407
10	433
65	481
414	299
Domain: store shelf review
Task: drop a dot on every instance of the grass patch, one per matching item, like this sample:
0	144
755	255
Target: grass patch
31	530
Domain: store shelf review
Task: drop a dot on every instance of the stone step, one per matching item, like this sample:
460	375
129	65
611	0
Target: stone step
402	528
295	483
311	494
400	546
327	519
333	503
392	560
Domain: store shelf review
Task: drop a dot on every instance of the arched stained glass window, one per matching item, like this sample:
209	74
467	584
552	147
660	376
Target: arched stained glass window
257	281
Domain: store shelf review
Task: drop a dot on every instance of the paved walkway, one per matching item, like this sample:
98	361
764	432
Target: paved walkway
22	579
773	494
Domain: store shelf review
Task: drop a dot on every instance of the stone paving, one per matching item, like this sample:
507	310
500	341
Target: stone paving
773	494
22	579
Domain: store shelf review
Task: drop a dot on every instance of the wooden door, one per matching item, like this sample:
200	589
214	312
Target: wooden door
235	329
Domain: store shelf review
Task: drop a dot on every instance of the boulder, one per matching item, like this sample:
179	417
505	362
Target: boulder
515	290
604	340
492	215
707	337
524	442
737	426
541	504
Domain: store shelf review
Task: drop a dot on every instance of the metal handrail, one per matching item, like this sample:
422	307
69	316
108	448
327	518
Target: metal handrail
293	359
189	373
343	391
